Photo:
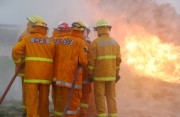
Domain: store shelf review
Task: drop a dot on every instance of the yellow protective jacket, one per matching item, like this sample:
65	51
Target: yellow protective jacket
57	37
104	58
72	53
25	33
39	51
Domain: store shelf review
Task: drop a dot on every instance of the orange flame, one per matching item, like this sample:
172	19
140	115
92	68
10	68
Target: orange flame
149	57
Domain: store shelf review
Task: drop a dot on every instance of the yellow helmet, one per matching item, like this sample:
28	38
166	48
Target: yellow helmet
102	23
37	21
79	25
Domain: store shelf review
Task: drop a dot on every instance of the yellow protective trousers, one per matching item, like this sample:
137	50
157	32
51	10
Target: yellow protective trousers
37	101
23	95
92	107
62	94
53	93
102	89
84	103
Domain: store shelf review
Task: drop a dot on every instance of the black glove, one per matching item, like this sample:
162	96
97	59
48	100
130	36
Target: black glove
90	78
118	77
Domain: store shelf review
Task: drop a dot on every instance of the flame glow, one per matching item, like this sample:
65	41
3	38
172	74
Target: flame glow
150	57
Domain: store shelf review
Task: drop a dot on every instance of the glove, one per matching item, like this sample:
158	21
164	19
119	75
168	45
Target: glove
118	77
90	78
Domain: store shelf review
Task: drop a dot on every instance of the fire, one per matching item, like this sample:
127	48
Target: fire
150	57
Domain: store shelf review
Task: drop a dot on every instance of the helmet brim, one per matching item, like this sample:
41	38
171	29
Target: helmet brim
95	28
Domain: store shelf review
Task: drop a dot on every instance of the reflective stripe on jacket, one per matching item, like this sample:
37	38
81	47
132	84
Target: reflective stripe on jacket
104	58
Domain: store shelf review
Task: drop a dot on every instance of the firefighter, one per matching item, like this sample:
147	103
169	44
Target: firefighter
39	51
72	54
103	68
61	31
21	74
86	86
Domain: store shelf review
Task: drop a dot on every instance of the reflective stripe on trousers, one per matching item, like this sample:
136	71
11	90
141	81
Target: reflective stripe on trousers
104	78
37	81
85	82
69	112
91	67
68	84
112	114
23	106
109	115
106	57
54	79
78	108
102	115
84	105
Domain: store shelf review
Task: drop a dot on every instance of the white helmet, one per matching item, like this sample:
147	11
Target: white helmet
87	27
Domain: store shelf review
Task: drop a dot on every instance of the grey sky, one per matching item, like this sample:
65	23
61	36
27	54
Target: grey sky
14	11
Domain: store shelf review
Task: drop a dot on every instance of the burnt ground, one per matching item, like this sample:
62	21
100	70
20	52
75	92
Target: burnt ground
12	108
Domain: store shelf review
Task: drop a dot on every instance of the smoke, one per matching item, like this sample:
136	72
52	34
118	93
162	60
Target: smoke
158	19
136	96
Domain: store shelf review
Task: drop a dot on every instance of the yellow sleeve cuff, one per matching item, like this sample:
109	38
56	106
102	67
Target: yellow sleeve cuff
17	61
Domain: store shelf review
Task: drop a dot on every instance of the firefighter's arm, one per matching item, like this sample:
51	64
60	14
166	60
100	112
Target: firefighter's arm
83	54
92	58
118	62
56	55
55	58
91	61
17	50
